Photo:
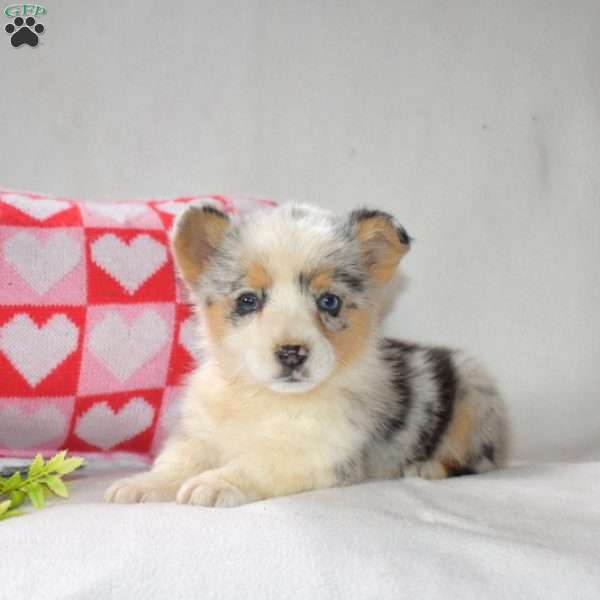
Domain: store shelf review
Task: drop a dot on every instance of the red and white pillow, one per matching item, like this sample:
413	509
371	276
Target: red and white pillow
95	330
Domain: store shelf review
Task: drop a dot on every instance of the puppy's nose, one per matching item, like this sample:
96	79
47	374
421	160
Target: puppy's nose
291	356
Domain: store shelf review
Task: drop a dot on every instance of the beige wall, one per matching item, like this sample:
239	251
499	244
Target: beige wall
476	122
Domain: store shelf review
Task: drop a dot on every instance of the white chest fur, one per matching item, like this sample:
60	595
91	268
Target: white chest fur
319	427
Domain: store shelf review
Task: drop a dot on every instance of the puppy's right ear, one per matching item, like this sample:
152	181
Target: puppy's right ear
384	241
196	235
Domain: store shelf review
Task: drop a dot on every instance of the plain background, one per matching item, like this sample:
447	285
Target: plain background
475	122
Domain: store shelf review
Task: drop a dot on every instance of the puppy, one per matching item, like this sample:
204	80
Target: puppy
297	390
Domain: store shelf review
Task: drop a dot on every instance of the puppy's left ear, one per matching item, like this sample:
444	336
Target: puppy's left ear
384	241
195	237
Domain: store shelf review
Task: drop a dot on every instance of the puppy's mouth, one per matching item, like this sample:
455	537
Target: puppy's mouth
294	375
293	381
290	379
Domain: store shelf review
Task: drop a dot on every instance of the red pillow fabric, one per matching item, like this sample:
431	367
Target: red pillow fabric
95	330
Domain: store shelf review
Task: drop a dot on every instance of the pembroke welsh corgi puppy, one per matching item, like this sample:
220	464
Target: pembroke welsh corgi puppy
297	389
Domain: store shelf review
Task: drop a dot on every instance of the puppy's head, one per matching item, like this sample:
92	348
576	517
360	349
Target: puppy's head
289	296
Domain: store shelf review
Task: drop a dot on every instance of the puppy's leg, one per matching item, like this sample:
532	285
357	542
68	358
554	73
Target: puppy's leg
430	469
475	441
180	459
453	452
259	474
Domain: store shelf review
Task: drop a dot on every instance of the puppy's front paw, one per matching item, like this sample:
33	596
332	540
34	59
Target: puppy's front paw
430	469
211	490
139	489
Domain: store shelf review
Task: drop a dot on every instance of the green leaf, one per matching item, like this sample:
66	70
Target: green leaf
56	461
57	486
36	467
6	511
70	464
35	493
42	479
10	513
12	483
16	498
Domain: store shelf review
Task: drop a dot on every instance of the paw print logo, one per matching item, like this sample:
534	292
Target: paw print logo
24	32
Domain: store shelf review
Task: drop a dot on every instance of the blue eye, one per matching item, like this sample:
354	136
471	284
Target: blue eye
330	303
247	303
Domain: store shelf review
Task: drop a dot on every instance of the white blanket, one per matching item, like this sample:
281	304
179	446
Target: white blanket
531	531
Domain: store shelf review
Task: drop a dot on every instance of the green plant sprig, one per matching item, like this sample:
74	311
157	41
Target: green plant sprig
43	479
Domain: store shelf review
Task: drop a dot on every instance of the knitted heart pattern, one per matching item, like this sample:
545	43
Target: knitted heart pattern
96	334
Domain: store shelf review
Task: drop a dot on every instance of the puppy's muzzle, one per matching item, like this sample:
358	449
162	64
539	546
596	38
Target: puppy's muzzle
292	356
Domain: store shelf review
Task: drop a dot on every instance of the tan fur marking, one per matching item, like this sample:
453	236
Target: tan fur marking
322	281
214	318
197	236
455	447
257	277
380	239
350	342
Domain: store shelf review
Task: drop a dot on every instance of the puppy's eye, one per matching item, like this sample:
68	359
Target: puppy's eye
330	303
247	303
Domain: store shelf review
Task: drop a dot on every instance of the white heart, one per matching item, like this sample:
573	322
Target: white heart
42	263
39	209
36	351
188	336
129	264
102	427
172	208
20	430
124	348
119	212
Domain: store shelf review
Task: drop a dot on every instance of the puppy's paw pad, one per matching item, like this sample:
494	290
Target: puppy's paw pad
130	491
204	491
426	470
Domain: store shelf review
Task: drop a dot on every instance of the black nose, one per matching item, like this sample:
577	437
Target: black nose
292	356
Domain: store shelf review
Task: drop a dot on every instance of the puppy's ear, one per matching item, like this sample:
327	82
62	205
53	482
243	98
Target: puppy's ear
384	242
196	235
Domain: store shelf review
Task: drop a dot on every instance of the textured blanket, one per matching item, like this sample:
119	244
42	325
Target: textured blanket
531	531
